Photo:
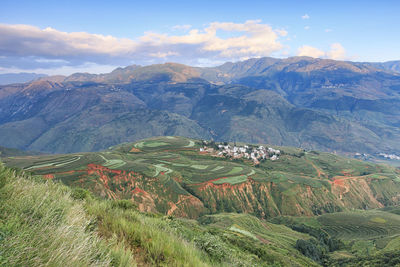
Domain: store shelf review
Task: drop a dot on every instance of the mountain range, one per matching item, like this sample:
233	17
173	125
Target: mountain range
337	106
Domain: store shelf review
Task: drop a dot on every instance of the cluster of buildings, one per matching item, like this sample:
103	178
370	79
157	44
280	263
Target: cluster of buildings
389	156
256	154
364	156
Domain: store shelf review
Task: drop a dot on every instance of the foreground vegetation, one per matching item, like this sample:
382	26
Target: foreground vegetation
43	223
46	223
40	224
159	202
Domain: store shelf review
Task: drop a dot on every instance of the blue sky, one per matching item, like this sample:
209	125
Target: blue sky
61	37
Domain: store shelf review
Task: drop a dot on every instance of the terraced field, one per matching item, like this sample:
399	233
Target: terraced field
361	224
277	239
363	232
171	176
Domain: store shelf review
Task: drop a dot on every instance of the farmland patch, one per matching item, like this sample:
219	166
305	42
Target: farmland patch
232	180
199	167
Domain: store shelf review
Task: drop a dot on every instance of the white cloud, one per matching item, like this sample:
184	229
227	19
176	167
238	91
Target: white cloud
306	28
305	16
310	51
328	30
163	55
336	52
182	27
46	60
218	41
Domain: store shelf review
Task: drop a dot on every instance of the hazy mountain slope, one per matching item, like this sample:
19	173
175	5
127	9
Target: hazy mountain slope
87	117
389	65
9	78
321	104
84	133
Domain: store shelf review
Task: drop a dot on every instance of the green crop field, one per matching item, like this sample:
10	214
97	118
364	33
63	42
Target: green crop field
363	232
361	224
232	180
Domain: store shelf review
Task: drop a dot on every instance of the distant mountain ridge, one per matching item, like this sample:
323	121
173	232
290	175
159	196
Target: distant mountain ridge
230	71
323	104
23	77
389	65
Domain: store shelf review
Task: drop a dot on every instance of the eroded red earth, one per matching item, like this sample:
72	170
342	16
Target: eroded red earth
263	198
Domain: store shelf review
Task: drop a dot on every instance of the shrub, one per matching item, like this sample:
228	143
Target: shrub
124	204
310	248
212	245
80	193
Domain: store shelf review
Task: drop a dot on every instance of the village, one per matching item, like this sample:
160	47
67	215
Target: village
385	156
254	153
389	156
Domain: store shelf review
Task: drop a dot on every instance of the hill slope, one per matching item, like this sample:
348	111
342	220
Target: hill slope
170	175
140	187
53	224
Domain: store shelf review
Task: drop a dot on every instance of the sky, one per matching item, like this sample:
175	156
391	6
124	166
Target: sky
63	37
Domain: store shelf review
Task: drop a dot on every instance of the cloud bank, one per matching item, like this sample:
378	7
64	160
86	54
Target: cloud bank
336	52
29	47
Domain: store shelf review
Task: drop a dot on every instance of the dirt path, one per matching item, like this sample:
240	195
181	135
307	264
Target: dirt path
318	170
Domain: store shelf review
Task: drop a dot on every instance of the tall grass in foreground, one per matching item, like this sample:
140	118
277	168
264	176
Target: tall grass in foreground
41	225
150	236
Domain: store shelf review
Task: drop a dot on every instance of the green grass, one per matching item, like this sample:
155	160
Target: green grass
158	244
232	180
277	240
199	167
244	232
235	170
369	238
41	225
151	144
297	184
53	225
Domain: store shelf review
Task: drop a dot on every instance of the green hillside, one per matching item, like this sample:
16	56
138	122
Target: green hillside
163	202
170	175
53	224
11	152
368	237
